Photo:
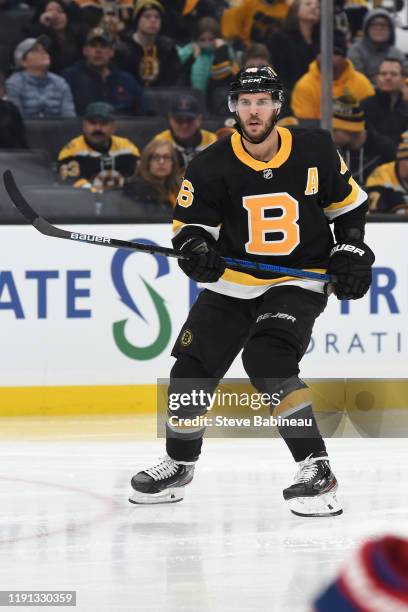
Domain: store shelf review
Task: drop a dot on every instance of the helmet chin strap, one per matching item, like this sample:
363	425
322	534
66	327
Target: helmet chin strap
241	131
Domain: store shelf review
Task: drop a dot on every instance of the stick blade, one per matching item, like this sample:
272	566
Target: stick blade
17	197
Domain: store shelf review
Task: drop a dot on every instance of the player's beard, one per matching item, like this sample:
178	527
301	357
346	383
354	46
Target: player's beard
269	125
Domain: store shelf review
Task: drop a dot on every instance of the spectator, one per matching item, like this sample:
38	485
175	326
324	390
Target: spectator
256	54
346	80
361	148
96	78
387	111
227	129
12	131
181	16
151	58
185	133
374	578
210	65
341	22
93	11
294	47
158	176
98	160
387	185
56	20
377	43
37	92
356	10
253	20
208	57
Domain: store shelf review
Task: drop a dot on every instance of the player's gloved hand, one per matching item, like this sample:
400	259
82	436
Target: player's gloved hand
205	264
351	263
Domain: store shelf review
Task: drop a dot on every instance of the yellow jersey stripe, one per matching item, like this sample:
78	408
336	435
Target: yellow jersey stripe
242	278
278	160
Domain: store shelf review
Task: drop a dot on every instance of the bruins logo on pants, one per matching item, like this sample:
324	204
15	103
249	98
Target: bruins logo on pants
186	337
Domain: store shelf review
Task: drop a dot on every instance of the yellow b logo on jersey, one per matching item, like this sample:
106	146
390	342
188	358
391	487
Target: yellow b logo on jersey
312	184
186	338
186	194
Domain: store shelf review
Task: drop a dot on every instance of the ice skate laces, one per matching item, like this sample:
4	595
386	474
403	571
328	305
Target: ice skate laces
165	469
307	470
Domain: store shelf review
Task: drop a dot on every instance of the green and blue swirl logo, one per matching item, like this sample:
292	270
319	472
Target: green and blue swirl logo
140	353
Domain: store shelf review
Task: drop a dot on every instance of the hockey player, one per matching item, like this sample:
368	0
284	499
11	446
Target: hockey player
267	194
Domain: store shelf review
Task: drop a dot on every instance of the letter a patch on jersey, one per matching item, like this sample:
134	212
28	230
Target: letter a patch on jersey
312	183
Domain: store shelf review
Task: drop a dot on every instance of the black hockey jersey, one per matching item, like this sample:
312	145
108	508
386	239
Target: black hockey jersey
272	212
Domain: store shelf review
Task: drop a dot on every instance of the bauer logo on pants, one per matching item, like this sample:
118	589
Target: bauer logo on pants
277	315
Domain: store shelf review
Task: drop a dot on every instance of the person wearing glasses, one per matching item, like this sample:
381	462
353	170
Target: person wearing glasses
157	179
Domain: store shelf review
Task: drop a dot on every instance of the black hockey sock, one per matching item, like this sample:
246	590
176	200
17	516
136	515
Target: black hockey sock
305	440
183	450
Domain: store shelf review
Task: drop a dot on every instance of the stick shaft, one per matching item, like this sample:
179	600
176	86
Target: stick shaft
48	229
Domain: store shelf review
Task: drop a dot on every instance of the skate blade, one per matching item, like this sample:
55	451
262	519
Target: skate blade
321	505
169	496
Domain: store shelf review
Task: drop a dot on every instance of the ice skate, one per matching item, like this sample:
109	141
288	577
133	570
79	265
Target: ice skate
163	483
313	492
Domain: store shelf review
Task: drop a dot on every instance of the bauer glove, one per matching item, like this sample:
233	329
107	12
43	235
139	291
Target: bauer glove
204	265
351	264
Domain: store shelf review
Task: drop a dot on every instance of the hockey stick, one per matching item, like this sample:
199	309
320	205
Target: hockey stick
46	228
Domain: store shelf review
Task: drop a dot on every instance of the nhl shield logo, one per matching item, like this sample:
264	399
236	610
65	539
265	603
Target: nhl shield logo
267	174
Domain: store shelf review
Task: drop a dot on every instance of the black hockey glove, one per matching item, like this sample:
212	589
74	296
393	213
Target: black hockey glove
205	264
351	263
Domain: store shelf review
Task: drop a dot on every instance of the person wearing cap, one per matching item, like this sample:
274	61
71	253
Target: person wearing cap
185	133
387	185
57	20
387	110
151	58
253	20
96	78
98	160
361	147
37	92
306	93
378	42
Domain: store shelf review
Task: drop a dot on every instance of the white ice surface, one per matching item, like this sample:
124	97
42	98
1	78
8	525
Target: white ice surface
230	546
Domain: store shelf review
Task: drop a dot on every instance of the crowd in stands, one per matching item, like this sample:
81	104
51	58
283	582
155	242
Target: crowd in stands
165	66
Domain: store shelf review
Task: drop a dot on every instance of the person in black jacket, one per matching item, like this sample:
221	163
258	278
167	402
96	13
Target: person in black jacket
12	130
151	58
361	148
297	44
387	111
96	78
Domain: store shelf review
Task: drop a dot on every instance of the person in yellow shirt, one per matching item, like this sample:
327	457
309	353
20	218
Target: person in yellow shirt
305	100
387	185
97	159
185	133
254	20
